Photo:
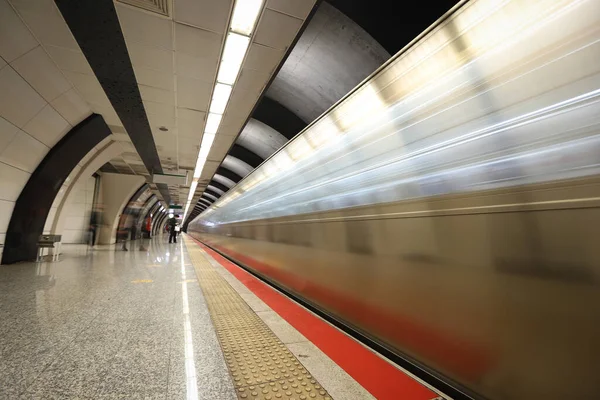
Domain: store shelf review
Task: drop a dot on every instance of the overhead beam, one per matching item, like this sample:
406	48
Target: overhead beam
278	117
242	153
96	28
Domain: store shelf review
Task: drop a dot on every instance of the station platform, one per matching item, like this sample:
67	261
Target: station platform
174	321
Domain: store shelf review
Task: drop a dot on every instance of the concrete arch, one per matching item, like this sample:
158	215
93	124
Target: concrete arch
210	192
232	176
204	201
117	190
260	139
210	196
225	181
215	190
331	57
236	165
247	156
128	219
278	117
218	185
43	186
55	223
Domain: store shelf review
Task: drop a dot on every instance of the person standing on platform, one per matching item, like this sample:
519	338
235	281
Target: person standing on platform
172	223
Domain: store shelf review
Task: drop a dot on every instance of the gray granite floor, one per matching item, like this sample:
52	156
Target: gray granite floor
109	324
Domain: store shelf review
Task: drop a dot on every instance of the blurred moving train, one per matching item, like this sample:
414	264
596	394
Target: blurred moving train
449	207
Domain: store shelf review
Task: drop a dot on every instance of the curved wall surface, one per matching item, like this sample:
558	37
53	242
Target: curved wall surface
35	200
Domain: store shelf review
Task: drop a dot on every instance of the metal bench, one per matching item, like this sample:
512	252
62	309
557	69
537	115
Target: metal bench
48	242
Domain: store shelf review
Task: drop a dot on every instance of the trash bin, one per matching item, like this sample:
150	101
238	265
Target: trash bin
48	242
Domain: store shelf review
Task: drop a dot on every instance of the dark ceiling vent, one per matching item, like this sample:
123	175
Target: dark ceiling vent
157	6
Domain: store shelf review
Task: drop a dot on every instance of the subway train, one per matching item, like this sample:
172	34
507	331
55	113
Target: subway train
448	208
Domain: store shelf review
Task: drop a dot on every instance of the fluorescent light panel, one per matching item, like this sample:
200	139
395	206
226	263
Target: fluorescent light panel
220	98
228	72
245	14
235	48
243	21
212	123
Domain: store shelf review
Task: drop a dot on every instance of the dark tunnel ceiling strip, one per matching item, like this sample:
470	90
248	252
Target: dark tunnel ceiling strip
138	193
96	28
218	185
153	209
247	156
161	218
145	210
163	188
212	193
32	207
214	189
220	178
228	174
274	75
204	201
208	197
278	117
379	19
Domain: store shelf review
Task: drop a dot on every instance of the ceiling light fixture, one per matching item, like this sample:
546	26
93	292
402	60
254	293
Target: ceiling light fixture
242	24
245	15
220	98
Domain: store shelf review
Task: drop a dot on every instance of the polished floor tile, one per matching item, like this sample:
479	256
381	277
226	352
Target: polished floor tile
109	324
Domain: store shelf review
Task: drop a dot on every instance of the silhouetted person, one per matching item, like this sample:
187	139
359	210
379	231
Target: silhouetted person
172	223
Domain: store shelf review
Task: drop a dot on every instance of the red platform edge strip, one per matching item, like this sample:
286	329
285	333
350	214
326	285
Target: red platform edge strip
377	376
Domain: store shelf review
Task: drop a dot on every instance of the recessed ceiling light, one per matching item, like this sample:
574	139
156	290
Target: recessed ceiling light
163	128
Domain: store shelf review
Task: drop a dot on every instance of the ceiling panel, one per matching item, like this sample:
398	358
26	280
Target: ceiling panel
144	27
48	126
154	58
193	93
241	103
89	87
37	68
252	81
153	78
220	146
232	124
196	67
207	14
156	121
160	110
15	38
69	59
277	30
209	169
157	95
18	101
46	22
295	8
263	58
197	42
72	107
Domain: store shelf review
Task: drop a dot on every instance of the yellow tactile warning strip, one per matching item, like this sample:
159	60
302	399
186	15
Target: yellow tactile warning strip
260	365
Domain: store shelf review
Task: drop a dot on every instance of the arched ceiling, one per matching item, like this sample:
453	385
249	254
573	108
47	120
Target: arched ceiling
236	165
343	43
301	60
260	138
331	57
391	23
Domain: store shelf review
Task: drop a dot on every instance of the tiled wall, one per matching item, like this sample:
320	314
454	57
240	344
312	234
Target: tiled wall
78	213
38	106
